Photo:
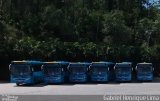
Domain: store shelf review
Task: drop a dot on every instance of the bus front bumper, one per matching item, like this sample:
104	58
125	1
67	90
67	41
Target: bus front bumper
22	80
78	78
100	78
144	78
54	79
123	78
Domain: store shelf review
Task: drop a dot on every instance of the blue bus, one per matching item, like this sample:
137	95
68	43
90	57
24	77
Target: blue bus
55	72
78	72
123	71
101	71
111	72
65	64
26	72
144	71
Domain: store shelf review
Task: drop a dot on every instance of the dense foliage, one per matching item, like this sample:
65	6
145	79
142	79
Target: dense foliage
80	30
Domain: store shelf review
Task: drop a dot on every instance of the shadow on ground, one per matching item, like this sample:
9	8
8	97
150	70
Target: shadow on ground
31	85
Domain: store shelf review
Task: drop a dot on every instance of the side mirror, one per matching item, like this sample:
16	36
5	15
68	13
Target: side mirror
10	67
89	67
42	67
136	68
32	69
114	68
68	69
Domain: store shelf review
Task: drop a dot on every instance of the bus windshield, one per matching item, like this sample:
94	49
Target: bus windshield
144	69
79	70
122	70
51	70
99	69
20	69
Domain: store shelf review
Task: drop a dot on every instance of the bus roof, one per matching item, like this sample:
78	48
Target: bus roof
123	64
101	63
63	62
127	62
18	61
145	63
26	62
86	63
57	62
104	62
77	64
138	64
52	62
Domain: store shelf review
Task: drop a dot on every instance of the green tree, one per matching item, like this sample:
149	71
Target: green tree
115	29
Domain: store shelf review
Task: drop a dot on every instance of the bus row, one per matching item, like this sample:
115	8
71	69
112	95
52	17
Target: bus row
31	72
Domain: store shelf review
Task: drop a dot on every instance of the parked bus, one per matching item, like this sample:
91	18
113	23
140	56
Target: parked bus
100	71
78	72
144	71
26	72
65	65
123	71
55	72
111	71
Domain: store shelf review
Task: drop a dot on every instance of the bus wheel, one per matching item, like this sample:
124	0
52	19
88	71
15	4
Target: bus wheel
17	84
